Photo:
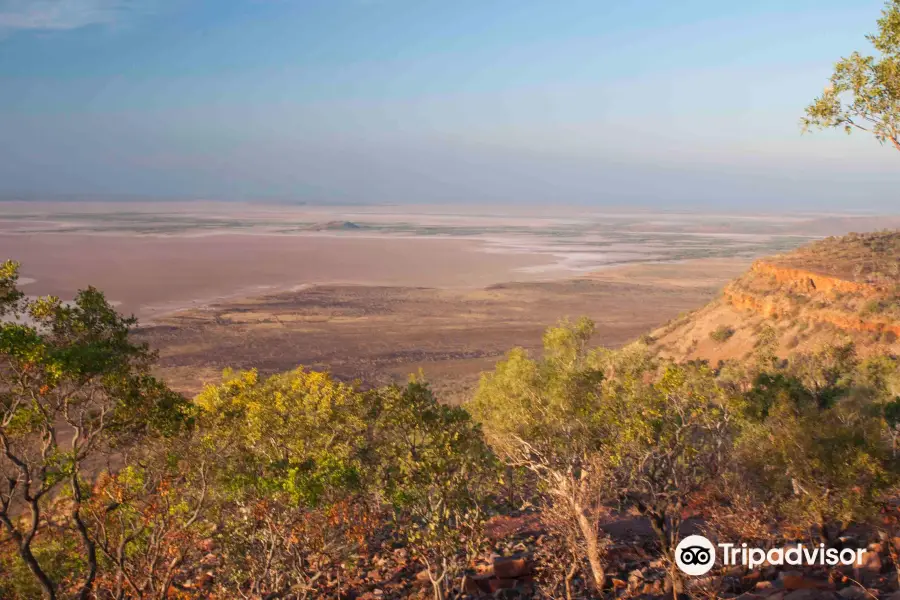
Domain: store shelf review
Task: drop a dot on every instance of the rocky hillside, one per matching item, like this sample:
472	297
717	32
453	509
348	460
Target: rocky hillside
834	290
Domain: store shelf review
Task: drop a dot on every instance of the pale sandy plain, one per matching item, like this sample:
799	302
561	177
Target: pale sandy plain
154	258
153	275
374	293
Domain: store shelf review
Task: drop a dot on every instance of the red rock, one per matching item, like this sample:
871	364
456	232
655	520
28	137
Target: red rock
423	575
798	582
495	584
751	577
477	584
512	567
871	562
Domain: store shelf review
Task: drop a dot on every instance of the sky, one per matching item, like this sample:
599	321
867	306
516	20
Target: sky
591	102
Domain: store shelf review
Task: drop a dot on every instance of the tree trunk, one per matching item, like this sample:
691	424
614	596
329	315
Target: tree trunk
663	533
89	546
594	551
570	576
437	584
438	590
675	578
510	486
24	548
47	587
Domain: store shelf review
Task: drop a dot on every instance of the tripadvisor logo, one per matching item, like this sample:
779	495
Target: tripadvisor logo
696	555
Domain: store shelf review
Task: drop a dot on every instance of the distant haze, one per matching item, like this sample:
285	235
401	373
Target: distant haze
654	103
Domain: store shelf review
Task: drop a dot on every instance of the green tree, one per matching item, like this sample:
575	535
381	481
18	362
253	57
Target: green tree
548	416
676	435
73	388
864	91
600	426
288	455
817	441
436	471
148	519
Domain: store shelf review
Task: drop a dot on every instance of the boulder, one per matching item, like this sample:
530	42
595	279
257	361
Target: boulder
495	584
811	594
512	567
477	584
793	581
854	593
870	567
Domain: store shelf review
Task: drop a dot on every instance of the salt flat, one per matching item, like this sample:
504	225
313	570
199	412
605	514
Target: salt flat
378	292
154	258
152	275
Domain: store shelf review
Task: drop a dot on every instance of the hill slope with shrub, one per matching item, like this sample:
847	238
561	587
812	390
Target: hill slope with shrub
835	290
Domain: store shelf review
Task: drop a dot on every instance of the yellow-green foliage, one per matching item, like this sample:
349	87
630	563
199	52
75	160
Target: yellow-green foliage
553	404
437	472
301	433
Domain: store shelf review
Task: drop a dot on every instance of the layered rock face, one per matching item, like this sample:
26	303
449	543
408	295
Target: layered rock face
831	291
781	299
809	282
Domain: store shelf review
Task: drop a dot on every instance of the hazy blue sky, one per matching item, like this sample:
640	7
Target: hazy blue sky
650	102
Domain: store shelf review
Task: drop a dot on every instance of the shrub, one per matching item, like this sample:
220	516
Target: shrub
675	439
721	334
872	307
647	339
73	387
816	449
436	471
290	455
547	416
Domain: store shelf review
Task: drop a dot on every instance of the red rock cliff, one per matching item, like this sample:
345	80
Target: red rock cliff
775	304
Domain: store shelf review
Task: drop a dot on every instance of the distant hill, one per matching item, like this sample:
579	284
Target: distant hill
335	226
837	289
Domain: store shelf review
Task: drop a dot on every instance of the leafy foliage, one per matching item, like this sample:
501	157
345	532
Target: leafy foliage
287	458
864	91
816	443
722	333
73	388
549	417
298	434
437	473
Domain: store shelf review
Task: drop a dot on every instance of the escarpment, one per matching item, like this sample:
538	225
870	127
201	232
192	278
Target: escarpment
838	289
810	282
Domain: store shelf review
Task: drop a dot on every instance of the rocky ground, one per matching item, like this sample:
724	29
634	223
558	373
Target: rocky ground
517	568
